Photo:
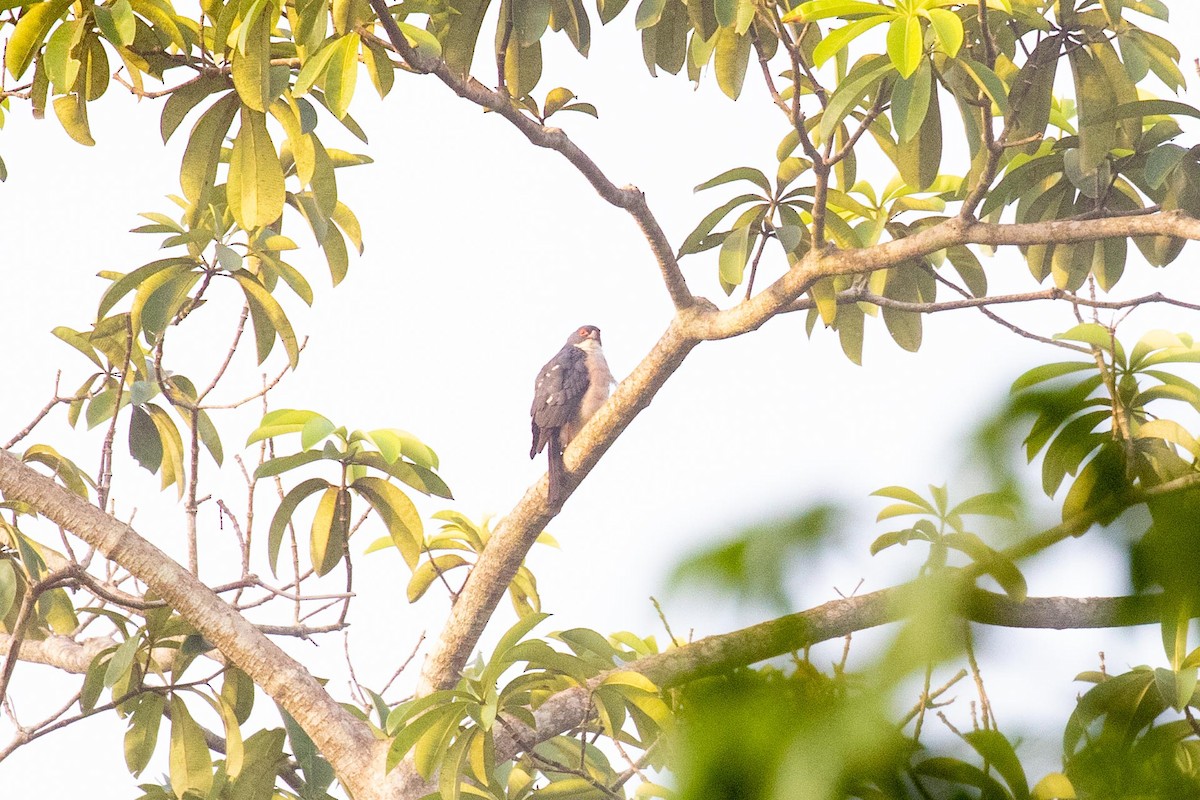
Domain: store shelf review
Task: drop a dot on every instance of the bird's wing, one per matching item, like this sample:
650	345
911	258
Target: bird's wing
559	388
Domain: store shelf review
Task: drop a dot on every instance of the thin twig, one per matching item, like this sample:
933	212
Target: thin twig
404	665
663	618
46	409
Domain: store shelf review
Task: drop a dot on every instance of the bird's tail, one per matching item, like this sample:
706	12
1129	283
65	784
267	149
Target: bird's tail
557	492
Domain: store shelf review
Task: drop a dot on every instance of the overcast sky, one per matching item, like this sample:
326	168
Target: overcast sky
482	254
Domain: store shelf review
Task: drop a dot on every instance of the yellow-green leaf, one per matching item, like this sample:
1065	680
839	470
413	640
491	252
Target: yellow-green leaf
251	68
905	44
949	29
732	57
398	514
190	763
71	111
255	188
199	168
30	32
142	736
262	303
283	515
330	525
342	74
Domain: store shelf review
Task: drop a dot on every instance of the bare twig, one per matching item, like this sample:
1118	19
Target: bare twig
629	198
404	664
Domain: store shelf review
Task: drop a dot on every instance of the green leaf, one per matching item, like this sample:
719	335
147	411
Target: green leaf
144	444
824	9
237	691
315	429
530	20
1032	92
190	763
434	725
255	188
398	514
277	466
271	320
1094	99
393	443
1161	161
280	422
750	174
649	13
697	241
261	764
949	29
865	76
502	656
910	101
93	681
735	251
142	736
732	58
330	529
199	168
988	81
1054	786
121	661
837	41
608	9
318	775
132	280
416	476
71	110
283	515
905	44
29	33
904	326
850	332
251	65
79	342
429	571
62	468
458	41
954	771
1097	335
1139	109
342	74
8	586
314	68
906	495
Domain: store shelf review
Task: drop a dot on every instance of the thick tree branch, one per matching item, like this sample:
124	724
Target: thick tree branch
830	261
344	740
61	652
629	198
720	654
516	533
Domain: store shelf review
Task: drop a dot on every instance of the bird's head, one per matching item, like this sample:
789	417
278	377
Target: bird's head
583	334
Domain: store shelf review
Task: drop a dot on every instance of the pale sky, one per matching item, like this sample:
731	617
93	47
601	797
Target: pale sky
482	254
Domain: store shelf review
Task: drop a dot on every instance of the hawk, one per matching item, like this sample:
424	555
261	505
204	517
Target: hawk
568	391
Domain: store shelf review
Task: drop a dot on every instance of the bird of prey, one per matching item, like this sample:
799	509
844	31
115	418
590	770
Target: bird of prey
568	391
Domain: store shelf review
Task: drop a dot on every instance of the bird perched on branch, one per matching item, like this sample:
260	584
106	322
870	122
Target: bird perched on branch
568	391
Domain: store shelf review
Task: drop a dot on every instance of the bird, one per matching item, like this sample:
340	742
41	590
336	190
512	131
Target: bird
569	389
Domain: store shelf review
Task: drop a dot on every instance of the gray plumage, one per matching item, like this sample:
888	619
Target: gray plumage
569	389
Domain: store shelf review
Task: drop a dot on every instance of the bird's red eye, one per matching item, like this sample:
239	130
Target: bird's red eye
583	331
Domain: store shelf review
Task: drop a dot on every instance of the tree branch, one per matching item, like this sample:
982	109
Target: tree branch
629	198
830	261
516	533
344	740
719	654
